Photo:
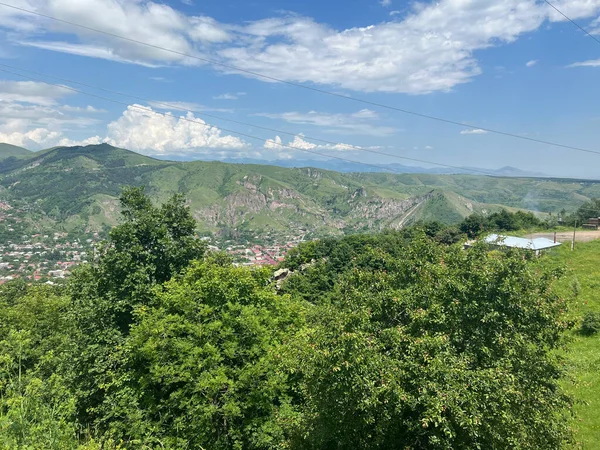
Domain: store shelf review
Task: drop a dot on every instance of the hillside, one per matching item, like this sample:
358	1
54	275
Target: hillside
583	352
8	150
78	187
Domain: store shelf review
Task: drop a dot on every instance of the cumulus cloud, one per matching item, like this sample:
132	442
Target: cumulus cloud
32	139
300	143
360	122
385	3
140	129
531	63
439	40
473	131
31	114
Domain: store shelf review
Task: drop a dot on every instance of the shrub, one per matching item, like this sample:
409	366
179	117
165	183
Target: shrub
591	323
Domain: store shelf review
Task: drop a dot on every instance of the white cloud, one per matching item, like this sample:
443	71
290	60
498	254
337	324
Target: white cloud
140	129
161	79
88	109
531	63
300	143
385	3
229	96
394	13
473	131
91	51
187	2
439	43
433	47
32	139
32	92
589	63
428	147
359	122
185	106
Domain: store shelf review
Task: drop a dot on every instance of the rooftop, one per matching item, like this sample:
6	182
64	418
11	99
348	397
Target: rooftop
517	242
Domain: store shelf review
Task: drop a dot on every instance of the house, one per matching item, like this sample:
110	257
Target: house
593	223
537	245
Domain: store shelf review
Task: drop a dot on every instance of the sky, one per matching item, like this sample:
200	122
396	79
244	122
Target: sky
516	66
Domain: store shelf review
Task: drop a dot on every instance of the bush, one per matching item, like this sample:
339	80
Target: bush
591	323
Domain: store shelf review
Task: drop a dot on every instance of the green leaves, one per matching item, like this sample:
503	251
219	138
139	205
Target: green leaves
432	348
375	342
206	349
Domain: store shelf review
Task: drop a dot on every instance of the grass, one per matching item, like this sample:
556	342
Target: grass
583	352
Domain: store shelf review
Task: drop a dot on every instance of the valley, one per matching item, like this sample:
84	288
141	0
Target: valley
76	189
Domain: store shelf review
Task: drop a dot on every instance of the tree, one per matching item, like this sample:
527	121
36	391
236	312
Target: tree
150	246
202	369
438	348
474	225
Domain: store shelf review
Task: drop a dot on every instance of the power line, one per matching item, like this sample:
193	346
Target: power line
573	22
274	130
198	122
146	110
304	86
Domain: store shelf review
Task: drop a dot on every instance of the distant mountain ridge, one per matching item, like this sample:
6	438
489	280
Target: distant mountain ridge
71	187
349	167
9	150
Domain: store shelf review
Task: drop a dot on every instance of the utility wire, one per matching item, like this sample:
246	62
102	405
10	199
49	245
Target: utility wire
301	85
198	122
274	130
573	22
146	110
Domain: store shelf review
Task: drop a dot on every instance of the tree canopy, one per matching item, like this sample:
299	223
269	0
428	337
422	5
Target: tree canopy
395	340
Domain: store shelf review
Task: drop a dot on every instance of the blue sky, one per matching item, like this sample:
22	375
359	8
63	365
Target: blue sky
510	65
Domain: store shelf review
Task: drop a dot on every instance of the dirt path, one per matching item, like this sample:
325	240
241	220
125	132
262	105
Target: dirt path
566	236
408	214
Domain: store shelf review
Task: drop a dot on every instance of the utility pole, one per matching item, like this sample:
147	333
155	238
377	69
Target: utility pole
573	242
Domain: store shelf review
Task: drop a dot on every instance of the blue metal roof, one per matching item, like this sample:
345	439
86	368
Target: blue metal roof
517	242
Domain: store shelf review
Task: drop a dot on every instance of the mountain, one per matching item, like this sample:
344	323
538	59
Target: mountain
8	150
350	167
78	187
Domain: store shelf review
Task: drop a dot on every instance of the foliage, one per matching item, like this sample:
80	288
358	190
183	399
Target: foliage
150	246
206	348
80	186
419	350
582	353
476	224
395	340
36	406
584	212
591	323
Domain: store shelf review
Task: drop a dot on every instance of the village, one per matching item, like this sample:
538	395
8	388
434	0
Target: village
50	258
44	258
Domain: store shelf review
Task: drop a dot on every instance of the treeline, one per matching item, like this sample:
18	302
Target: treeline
584	213
477	225
389	341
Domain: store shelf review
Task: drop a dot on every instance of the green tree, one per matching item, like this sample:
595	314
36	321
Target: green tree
438	348
202	369
150	246
36	405
474	225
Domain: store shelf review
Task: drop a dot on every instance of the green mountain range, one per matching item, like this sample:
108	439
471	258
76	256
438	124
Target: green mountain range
8	151
78	187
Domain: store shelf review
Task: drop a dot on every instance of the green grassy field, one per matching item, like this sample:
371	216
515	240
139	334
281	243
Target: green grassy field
583	352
